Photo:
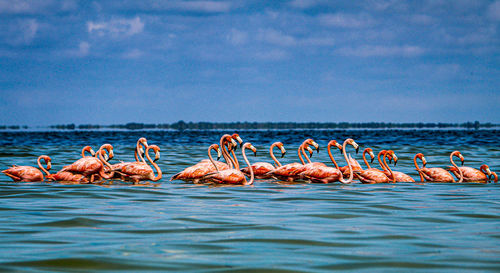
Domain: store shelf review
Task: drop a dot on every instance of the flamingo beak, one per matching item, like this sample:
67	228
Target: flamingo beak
355	145
157	156
372	156
111	154
219	153
92	152
283	151
311	152
141	151
49	165
235	145
395	159
106	157
424	161
315	146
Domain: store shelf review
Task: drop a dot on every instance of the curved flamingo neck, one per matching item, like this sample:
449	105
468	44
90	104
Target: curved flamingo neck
137	153
249	167
158	170
212	147
364	159
305	154
271	152
41	167
379	155
418	168
455	153
225	153
392	177
299	153
351	174
101	172
85	150
235	160
329	148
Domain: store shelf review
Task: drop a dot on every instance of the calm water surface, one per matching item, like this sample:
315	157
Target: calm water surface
269	226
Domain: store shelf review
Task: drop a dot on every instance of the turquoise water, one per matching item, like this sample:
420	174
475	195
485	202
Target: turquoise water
269	226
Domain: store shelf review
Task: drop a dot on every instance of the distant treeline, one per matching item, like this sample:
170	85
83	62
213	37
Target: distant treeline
181	125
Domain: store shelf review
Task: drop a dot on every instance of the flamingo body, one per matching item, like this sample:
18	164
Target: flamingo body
260	169
24	173
354	164
196	172
229	176
288	172
321	174
470	174
372	176
86	165
67	176
436	175
400	176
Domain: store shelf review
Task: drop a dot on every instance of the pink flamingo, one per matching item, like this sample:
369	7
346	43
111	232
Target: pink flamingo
374	175
233	176
88	166
439	174
196	172
261	169
139	171
28	173
289	172
67	176
138	154
398	176
325	174
473	175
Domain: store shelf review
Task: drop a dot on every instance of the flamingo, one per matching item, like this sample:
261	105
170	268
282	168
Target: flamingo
88	166
232	150
67	176
196	172
28	173
138	154
398	176
374	175
473	175
289	172
261	169
439	174
138	171
354	164
324	174
234	176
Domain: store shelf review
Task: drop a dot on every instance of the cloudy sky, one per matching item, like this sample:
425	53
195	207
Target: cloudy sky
104	62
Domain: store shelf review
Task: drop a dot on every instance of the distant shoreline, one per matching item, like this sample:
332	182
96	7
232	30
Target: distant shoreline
181	125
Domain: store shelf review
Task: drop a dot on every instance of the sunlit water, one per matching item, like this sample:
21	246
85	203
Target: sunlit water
268	226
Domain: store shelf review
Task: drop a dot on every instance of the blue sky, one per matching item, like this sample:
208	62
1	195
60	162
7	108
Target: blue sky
105	62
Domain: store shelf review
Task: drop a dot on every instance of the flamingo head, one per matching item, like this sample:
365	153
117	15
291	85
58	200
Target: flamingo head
351	141
47	160
486	169
88	149
251	147
336	144
459	155
109	148
393	155
421	156
313	143
238	138
311	151
370	152
282	148
156	149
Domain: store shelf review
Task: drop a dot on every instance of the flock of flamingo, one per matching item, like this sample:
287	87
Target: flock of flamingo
95	168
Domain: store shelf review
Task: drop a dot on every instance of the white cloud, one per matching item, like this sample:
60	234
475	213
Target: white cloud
20	32
275	37
381	51
237	37
83	48
133	54
494	11
346	20
116	27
